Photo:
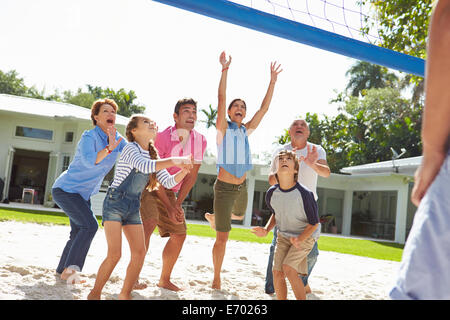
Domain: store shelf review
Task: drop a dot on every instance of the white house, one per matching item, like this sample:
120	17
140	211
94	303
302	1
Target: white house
371	200
38	142
375	199
39	139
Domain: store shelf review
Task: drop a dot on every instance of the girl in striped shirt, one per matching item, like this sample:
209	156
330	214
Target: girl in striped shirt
139	167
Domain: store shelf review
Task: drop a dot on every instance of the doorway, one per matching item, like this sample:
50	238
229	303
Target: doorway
28	171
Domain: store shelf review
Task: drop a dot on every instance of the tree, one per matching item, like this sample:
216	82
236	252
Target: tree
211	116
365	130
380	120
364	75
124	99
10	83
403	27
80	98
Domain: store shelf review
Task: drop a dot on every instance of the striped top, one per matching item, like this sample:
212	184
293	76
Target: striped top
133	156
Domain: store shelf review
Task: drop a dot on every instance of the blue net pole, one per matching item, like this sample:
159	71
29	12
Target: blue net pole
271	24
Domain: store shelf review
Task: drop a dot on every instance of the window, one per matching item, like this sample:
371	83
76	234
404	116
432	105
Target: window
69	137
66	163
34	133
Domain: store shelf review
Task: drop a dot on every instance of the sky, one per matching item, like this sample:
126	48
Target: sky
164	53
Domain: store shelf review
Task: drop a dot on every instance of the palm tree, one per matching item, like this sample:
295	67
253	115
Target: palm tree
364	75
211	116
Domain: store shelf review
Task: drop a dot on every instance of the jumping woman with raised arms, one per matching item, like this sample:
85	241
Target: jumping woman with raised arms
234	160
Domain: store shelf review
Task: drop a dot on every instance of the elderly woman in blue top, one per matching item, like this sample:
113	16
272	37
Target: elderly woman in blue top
96	154
234	160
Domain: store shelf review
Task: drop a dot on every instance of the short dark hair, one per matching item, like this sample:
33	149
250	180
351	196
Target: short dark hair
238	99
182	102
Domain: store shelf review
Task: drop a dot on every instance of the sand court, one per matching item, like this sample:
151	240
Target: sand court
30	252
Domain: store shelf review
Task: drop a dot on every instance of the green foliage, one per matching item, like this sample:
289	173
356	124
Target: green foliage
11	83
364	75
380	120
365	248
403	27
211	116
125	100
80	98
374	117
366	129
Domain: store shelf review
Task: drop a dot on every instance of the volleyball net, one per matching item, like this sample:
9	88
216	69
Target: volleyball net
334	25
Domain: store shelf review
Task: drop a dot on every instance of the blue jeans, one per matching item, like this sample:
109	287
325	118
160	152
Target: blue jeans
312	258
83	226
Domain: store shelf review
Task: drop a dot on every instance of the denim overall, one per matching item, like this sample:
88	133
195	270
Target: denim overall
122	203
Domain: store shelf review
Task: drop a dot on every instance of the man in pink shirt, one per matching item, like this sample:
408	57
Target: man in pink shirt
162	207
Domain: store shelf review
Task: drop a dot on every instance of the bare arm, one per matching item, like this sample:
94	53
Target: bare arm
187	185
320	166
112	144
221	121
262	232
172	212
436	115
309	230
258	116
182	162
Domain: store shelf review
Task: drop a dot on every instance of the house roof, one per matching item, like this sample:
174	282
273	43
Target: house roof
407	166
45	108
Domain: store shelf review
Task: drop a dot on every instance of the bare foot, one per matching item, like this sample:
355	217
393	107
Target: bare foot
123	296
235	217
71	276
94	296
307	289
168	285
216	284
139	286
211	219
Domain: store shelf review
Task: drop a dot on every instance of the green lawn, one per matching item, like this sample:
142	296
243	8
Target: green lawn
365	248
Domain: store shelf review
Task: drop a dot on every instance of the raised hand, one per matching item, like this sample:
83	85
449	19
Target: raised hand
274	71
223	60
312	155
112	142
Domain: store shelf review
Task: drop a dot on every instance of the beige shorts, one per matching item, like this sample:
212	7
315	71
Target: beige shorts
153	208
286	253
